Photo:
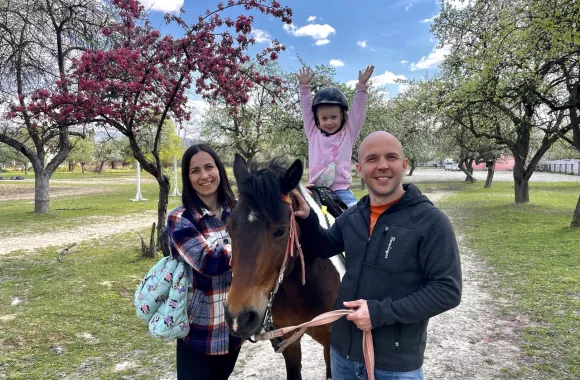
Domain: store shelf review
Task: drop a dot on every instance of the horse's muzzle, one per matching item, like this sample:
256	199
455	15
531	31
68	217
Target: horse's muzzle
244	324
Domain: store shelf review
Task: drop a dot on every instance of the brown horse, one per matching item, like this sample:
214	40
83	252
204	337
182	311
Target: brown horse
259	228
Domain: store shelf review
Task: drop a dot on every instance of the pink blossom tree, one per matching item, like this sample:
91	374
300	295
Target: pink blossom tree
37	41
144	77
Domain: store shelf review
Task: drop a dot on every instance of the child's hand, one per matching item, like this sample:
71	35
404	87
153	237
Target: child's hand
305	76
364	76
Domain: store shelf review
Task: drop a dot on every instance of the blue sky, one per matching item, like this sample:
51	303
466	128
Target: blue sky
348	34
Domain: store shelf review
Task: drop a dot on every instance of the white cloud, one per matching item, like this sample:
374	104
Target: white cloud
261	36
382	79
433	59
311	18
387	78
336	63
404	62
408	7
163	5
362	44
429	19
318	32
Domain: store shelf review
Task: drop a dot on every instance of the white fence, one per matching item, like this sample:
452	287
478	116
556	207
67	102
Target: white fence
571	166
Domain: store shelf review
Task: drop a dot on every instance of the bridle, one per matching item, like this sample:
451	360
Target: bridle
293	242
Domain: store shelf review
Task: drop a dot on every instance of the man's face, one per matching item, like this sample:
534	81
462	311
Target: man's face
382	167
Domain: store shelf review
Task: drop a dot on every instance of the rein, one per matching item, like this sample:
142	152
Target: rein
322	319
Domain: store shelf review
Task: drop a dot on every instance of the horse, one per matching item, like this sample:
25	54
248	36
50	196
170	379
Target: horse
260	227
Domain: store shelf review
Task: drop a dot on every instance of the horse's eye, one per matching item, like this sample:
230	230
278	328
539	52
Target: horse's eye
280	232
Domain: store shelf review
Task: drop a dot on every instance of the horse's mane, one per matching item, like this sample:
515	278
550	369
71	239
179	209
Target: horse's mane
261	189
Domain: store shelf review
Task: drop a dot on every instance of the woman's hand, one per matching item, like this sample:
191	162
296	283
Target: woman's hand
364	76
305	76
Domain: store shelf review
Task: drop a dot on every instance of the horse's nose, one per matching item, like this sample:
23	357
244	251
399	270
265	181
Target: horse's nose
244	324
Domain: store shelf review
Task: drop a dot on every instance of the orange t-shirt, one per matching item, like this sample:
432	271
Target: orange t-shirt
376	211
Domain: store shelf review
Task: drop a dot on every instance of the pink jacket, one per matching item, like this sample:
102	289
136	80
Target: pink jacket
337	148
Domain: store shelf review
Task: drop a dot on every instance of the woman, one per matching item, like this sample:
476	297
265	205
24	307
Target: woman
197	235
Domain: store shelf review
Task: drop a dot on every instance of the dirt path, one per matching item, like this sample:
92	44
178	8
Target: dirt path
98	228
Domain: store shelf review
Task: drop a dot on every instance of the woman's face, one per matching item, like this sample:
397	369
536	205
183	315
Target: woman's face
203	174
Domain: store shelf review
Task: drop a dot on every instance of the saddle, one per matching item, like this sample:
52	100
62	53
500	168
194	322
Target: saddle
326	197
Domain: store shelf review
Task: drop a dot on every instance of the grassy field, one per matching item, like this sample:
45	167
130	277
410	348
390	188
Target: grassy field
75	319
536	257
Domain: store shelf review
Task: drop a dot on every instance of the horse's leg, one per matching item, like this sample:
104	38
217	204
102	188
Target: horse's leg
321	334
293	358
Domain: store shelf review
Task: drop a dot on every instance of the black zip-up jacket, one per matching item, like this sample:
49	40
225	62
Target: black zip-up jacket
408	271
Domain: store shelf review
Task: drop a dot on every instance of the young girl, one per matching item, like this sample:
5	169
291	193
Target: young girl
197	235
332	133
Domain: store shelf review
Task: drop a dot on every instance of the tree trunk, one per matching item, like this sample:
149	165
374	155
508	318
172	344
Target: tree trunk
113	165
576	217
412	168
25	169
100	169
71	166
466	167
164	187
362	184
489	179
41	193
83	167
521	183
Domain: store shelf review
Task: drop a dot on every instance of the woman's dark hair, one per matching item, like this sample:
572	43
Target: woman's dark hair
189	197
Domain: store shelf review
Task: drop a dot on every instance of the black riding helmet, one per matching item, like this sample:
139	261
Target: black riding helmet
329	96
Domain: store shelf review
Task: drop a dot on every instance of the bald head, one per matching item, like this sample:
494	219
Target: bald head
379	138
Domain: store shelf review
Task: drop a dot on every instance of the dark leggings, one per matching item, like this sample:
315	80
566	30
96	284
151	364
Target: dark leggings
192	365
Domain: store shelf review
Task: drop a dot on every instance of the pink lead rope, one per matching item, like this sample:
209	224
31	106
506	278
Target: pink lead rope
322	319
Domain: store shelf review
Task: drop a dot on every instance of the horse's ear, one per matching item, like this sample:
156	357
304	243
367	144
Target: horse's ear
292	177
240	169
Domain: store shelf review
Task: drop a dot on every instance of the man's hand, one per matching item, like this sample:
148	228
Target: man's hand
303	210
364	76
305	76
361	316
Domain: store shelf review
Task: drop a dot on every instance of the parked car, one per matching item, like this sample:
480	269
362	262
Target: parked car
16	177
451	166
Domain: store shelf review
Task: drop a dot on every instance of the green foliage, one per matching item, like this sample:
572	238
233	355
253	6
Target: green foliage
82	150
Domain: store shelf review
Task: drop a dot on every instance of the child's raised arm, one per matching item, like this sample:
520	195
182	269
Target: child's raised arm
358	112
305	76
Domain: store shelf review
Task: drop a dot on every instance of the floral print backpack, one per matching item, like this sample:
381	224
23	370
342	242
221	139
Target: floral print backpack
161	299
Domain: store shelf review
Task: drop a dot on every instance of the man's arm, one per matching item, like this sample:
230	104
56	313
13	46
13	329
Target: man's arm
319	241
441	267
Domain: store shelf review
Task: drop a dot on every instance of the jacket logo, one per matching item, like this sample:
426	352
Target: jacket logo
389	247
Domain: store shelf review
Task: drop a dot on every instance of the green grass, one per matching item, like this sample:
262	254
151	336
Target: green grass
82	306
18	216
537	258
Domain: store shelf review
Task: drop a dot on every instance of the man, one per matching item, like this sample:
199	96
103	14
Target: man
402	266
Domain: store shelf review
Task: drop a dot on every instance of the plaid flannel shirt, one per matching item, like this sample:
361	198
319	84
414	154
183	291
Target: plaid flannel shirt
201	240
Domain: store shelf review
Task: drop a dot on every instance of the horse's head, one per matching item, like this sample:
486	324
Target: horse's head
259	228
